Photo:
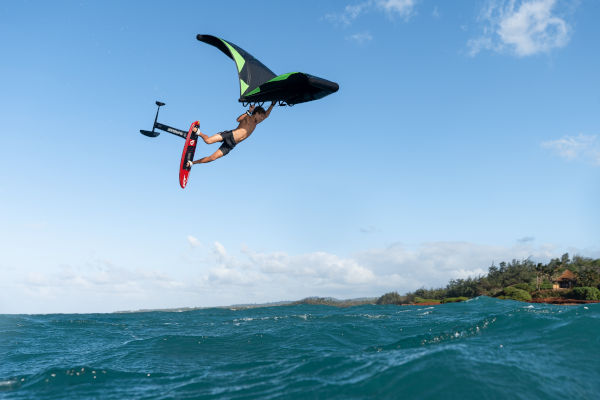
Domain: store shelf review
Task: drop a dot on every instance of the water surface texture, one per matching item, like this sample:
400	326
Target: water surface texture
481	349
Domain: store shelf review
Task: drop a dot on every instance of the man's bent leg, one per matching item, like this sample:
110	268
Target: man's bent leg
210	139
214	156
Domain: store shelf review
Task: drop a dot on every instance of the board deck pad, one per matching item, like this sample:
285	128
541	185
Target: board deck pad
188	154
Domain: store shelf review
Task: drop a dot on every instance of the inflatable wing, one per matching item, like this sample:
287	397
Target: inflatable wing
259	84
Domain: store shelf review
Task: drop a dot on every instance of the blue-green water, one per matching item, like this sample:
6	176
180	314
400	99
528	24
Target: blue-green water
481	349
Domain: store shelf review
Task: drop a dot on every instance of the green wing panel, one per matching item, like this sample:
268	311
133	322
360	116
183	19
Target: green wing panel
291	88
252	73
277	78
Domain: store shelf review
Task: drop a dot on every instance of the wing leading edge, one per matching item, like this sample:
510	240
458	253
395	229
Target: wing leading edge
259	84
252	73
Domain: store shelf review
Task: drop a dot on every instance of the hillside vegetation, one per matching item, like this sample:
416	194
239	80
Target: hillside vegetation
521	280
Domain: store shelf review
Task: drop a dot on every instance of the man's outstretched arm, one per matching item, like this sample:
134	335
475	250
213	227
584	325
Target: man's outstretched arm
268	112
244	115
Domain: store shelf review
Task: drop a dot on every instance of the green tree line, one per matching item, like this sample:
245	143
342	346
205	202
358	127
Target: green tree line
518	279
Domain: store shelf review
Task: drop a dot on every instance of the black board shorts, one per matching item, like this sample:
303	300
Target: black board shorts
228	142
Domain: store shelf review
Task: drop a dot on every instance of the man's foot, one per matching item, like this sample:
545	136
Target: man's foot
189	164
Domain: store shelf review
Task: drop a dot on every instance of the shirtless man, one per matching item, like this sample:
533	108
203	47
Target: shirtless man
247	124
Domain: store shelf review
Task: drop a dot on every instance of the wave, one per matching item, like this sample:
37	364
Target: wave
484	348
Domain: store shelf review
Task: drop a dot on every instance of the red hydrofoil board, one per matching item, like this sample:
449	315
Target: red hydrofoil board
188	154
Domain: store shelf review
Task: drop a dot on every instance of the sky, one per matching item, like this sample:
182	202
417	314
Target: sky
463	134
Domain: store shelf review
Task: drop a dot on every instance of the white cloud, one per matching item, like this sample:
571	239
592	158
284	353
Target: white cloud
220	250
581	147
370	272
431	264
360	38
194	242
319	268
401	8
95	287
350	13
523	27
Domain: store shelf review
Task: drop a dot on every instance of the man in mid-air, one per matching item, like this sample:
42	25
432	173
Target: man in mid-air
247	124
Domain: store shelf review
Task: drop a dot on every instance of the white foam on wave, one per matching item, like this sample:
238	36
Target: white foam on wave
376	316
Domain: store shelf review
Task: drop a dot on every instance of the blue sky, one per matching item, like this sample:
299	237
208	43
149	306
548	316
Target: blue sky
463	133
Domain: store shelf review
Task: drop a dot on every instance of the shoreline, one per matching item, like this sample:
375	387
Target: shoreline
350	303
548	300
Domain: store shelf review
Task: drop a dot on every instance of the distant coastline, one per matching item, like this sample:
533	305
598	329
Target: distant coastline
562	281
329	301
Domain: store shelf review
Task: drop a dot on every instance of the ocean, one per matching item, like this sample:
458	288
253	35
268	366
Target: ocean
480	349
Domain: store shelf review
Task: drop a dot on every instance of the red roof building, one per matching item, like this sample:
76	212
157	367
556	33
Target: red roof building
566	280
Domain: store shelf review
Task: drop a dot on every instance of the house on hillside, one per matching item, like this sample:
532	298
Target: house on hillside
566	280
